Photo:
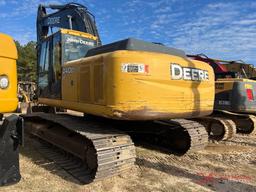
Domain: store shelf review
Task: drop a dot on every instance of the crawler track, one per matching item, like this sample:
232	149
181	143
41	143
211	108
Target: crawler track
177	136
245	123
218	128
98	151
198	137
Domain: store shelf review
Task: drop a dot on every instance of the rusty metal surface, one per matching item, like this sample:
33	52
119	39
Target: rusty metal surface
103	150
149	114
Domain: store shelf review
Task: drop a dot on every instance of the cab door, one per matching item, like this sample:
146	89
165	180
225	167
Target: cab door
55	84
49	79
43	69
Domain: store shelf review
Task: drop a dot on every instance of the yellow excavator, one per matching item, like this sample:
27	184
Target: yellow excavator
133	87
235	104
11	127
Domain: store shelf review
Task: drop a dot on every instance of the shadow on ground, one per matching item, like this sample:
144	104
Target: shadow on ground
209	180
31	150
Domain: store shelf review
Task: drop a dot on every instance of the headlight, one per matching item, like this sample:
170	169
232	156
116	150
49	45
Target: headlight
4	82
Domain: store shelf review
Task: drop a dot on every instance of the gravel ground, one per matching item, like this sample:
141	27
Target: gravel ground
225	166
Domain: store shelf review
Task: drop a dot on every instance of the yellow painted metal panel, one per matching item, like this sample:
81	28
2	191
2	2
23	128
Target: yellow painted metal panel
78	33
70	85
85	83
223	86
149	93
8	56
7	47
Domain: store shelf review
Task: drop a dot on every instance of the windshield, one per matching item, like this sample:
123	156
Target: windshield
76	47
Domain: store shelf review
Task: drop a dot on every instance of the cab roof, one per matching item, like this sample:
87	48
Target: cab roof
7	47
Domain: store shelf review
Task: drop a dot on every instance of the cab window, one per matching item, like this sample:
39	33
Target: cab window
76	47
44	65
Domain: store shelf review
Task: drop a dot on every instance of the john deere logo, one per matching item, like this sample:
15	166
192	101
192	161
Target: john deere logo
178	73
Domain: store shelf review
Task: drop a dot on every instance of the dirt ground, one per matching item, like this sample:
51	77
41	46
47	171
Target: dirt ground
226	166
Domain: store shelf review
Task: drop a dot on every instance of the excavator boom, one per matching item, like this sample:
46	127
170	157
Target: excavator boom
228	69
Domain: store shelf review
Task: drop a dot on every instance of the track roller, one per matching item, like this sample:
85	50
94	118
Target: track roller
218	128
102	150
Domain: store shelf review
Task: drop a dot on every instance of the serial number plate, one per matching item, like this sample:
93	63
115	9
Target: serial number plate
134	68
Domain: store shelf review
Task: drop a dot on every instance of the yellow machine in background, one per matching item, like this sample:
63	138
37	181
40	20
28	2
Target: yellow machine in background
235	102
11	127
8	74
236	95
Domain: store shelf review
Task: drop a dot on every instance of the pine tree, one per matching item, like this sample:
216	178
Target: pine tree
27	61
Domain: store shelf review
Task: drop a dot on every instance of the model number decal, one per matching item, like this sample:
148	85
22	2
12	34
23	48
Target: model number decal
134	68
178	72
68	70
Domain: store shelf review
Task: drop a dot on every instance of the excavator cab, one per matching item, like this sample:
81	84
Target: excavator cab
73	33
57	49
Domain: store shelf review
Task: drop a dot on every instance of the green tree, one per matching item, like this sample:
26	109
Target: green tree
27	61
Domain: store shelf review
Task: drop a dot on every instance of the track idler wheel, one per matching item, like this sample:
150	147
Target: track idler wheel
219	128
246	125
